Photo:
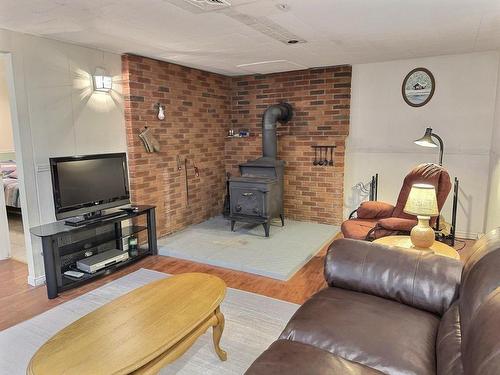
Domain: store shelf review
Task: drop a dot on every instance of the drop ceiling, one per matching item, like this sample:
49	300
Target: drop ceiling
251	35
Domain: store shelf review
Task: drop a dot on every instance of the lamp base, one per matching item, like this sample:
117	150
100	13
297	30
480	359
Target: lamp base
422	235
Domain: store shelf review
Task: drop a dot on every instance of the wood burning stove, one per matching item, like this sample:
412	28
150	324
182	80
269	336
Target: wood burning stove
257	196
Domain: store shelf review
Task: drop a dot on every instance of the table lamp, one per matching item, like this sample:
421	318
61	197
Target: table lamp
422	202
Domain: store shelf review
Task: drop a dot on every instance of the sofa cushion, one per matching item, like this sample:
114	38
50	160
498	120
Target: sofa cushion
397	224
358	228
379	333
374	210
294	358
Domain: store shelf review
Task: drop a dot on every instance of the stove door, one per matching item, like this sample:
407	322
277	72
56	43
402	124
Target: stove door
246	201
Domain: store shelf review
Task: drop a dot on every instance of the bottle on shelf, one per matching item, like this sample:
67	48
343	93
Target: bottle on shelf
132	246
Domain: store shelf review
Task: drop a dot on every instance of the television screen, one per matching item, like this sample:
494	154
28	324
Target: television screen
84	184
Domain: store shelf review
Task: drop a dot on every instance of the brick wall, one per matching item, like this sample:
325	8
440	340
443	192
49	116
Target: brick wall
201	107
197	116
321	102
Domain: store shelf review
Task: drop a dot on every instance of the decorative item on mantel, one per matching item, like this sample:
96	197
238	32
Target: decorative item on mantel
323	155
151	144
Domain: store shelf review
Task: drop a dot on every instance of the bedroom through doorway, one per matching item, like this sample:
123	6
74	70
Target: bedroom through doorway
11	218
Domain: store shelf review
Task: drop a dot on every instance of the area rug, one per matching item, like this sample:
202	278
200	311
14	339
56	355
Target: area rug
246	249
253	322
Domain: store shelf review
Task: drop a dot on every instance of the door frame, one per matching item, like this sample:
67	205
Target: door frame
6	58
4	227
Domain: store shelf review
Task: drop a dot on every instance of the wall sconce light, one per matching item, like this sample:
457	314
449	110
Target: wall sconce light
160	111
102	81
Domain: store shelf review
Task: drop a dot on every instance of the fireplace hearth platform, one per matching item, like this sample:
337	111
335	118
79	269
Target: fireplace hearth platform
247	249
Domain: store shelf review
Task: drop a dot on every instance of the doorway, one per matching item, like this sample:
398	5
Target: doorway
12	232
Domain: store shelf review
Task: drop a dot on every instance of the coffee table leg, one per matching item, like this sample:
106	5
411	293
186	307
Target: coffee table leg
217	334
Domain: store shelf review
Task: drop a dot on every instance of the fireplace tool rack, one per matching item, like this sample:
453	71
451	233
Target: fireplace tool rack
323	149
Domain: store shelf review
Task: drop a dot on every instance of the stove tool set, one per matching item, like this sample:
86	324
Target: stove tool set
196	173
323	155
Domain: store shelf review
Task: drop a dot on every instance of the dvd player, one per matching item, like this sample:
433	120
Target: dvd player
102	260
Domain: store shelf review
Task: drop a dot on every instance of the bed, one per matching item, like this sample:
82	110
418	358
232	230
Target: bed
8	169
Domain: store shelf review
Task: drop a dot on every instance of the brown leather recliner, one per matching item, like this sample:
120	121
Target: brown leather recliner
377	219
393	311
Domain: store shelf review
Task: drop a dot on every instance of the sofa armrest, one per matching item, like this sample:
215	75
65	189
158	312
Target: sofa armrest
416	278
374	210
397	224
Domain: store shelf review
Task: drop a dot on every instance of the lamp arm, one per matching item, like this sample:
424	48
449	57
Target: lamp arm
441	147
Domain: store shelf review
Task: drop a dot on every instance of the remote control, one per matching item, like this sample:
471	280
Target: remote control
75	274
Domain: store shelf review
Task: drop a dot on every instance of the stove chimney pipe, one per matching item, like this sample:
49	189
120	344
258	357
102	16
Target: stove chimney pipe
283	113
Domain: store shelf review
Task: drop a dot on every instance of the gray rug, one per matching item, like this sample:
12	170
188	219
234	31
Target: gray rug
253	322
247	249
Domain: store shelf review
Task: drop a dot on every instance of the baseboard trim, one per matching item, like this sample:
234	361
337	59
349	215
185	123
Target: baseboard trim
467	235
36	281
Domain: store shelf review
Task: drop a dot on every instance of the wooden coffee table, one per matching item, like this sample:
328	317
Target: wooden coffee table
139	332
405	241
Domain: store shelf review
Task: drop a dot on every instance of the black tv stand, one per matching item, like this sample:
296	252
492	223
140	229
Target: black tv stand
63	245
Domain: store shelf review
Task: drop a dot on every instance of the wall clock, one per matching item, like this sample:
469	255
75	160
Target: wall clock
418	87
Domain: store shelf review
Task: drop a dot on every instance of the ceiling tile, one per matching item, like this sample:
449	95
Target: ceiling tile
336	31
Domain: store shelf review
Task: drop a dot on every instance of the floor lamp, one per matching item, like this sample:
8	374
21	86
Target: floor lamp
427	141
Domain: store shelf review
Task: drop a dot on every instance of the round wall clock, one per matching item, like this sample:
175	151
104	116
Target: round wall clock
418	87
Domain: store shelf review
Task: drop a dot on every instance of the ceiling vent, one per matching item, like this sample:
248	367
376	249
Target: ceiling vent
208	5
267	27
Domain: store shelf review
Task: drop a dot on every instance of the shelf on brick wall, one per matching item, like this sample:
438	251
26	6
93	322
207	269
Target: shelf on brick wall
238	137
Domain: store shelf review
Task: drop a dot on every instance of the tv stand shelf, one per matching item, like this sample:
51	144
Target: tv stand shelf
102	238
64	245
69	282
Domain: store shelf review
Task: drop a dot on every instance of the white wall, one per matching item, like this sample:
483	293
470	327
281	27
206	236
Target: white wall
6	138
493	204
58	114
461	111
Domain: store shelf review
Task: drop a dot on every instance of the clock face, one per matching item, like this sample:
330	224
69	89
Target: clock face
418	87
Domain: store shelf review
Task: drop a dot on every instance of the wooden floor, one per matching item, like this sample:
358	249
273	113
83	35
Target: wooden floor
19	301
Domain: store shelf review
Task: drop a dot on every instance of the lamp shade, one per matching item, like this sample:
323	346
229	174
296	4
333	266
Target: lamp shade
426	140
422	201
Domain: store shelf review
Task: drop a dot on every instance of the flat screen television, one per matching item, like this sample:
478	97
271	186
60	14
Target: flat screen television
83	185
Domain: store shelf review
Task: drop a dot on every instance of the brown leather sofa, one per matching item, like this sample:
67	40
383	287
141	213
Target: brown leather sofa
398	311
375	219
